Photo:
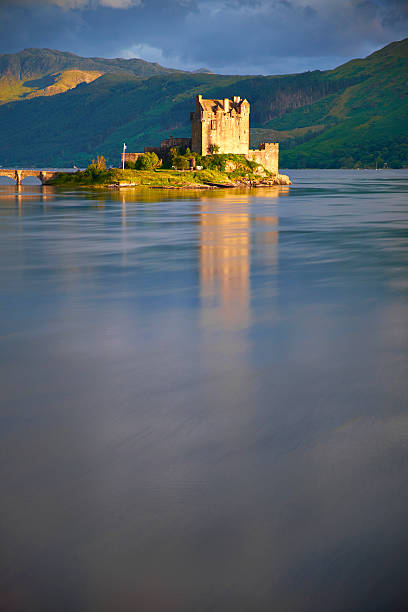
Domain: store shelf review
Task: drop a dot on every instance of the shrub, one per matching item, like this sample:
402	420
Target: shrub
178	160
181	163
219	161
148	161
100	162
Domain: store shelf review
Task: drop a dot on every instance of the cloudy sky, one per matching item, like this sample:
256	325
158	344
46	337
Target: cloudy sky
228	36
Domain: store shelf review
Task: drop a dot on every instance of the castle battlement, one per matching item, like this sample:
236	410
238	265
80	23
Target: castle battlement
268	146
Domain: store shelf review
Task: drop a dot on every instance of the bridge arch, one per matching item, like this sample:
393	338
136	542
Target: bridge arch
7	179
19	175
31	180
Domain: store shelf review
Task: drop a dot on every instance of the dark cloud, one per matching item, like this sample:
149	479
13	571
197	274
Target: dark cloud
394	11
241	36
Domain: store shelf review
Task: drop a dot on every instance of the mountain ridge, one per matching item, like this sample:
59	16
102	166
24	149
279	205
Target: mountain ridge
351	116
18	70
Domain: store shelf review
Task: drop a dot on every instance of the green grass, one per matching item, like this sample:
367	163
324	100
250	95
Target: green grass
150	178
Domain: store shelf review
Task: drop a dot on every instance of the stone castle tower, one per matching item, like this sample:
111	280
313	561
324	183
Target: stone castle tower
225	123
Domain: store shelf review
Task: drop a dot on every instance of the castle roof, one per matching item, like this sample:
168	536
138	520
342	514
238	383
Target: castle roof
213	104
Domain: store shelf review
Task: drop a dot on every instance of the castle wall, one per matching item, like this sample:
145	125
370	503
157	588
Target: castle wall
168	144
171	142
196	118
267	155
129	157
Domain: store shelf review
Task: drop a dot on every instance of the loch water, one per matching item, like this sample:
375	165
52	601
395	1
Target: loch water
205	397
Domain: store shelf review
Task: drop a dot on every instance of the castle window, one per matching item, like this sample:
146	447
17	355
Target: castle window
213	124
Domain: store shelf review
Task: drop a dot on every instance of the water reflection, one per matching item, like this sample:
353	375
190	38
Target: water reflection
226	233
19	198
204	399
25	194
225	259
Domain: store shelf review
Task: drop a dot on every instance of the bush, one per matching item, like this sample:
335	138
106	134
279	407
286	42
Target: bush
181	163
100	162
218	162
148	161
94	174
178	160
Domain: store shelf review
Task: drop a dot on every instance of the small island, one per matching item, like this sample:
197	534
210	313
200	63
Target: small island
220	171
216	156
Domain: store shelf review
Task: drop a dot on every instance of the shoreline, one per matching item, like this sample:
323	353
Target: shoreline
198	186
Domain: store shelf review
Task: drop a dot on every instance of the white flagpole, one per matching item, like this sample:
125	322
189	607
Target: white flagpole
123	160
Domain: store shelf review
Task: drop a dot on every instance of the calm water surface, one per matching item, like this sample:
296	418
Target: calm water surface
204	398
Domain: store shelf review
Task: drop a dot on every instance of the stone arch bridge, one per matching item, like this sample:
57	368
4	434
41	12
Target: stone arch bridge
19	175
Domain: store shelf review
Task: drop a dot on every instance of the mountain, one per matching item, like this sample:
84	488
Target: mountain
366	124
38	72
354	115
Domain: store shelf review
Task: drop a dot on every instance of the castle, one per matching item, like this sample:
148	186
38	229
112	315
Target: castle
220	126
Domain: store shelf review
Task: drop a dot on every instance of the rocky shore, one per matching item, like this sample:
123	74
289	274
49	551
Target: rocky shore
280	179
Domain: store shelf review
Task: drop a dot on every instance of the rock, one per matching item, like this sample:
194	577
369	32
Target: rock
283	179
260	171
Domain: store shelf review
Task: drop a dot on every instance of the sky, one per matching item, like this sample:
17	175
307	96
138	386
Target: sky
225	36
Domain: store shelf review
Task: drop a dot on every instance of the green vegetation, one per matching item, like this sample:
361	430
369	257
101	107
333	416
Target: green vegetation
221	161
179	160
353	116
148	178
224	162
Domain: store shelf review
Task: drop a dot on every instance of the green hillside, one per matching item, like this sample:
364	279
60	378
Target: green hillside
38	72
354	115
366	124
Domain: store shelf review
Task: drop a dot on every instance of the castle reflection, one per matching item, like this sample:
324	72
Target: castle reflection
228	232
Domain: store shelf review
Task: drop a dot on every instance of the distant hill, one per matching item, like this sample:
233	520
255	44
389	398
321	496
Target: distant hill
65	109
29	73
366	124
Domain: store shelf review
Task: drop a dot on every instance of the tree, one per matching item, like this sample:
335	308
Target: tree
148	161
179	161
97	168
173	154
100	163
